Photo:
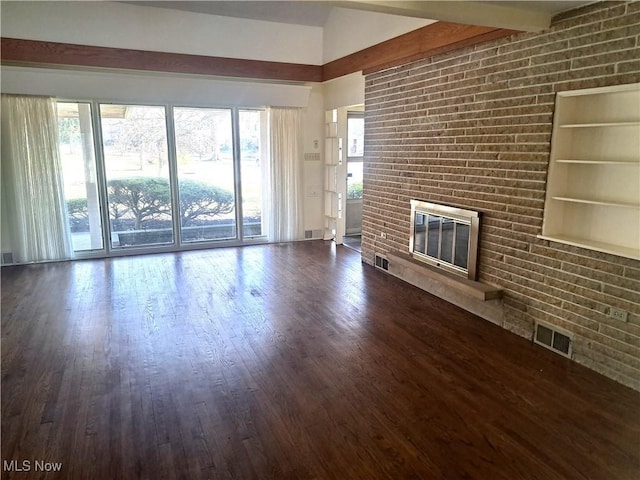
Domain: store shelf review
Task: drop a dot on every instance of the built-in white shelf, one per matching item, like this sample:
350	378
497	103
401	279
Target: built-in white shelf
601	162
602	124
597	202
593	245
593	185
333	158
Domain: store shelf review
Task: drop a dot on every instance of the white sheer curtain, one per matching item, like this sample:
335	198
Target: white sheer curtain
284	211
33	204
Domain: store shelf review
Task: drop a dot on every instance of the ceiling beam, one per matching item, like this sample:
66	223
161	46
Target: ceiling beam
487	14
434	39
16	51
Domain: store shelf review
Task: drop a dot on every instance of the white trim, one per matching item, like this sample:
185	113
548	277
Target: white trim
157	88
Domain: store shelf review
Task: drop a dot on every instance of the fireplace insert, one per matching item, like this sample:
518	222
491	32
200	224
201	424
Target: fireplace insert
445	237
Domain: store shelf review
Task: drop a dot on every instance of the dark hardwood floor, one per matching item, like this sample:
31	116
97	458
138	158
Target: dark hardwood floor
291	361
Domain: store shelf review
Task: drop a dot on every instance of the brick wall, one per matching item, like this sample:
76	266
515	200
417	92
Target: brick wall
472	128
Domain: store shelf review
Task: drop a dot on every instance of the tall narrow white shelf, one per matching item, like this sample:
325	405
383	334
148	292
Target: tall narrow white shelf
333	157
593	185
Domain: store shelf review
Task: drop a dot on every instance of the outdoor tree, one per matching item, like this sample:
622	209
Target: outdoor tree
68	132
202	200
149	198
78	214
142	131
196	132
145	198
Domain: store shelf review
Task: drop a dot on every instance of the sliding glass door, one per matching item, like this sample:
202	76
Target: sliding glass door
136	163
77	153
206	174
252	126
162	176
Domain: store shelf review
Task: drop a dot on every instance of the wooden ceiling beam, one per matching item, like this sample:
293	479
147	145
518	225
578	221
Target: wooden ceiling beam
431	40
30	52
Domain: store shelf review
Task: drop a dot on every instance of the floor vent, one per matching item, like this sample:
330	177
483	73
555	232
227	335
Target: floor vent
382	262
553	339
7	258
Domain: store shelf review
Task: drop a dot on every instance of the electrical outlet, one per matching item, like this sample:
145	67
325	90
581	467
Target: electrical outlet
383	235
618	314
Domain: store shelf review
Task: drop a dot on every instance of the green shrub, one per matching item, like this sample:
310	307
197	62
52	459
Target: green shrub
145	198
77	208
149	198
202	200
355	191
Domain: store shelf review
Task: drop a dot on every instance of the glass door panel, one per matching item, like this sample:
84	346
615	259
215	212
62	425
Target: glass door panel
355	153
354	180
253	162
137	174
75	130
206	180
355	134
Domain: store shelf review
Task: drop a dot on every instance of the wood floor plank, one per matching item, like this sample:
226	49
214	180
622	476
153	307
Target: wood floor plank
287	361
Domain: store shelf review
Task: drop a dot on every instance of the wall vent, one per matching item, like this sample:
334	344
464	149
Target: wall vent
312	234
7	258
381	262
554	339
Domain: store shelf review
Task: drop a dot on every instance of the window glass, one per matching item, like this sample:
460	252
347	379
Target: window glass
355	136
253	164
77	153
206	177
354	180
137	172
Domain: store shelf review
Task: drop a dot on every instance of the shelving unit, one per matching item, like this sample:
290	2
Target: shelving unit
593	185
333	158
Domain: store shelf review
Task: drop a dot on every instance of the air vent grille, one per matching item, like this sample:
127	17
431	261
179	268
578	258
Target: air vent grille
553	339
312	234
381	262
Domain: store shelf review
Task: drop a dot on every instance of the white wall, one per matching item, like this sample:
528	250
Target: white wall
344	91
119	25
313	170
145	87
347	31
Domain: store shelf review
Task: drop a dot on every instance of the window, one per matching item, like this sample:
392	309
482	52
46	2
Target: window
77	153
355	135
136	165
206	175
355	154
253	167
162	176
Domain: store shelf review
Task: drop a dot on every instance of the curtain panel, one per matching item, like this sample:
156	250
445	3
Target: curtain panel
33	207
285	210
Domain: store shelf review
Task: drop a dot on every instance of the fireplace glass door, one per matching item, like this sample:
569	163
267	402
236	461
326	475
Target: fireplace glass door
446	240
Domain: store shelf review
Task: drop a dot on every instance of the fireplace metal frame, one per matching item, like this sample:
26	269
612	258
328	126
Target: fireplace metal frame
458	215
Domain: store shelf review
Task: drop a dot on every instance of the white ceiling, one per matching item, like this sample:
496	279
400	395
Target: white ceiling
286	11
528	15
